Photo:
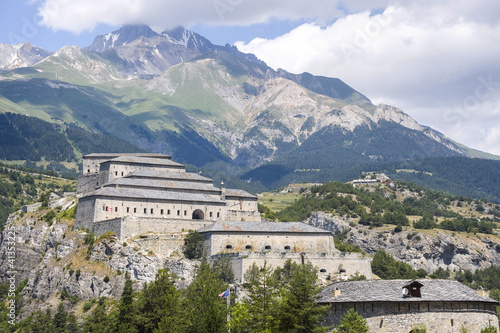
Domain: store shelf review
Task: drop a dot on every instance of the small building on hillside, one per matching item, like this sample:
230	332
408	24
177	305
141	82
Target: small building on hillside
274	243
397	306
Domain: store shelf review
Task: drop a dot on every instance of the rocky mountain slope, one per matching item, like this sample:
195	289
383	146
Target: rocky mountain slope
217	108
57	262
20	55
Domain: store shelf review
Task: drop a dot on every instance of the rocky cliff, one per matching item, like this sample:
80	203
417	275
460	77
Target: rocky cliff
59	262
427	249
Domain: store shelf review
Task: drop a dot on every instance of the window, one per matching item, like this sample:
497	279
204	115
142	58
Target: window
161	211
185	212
218	214
268	247
88	170
116	173
116	209
104	208
128	209
135	210
229	246
145	211
168	211
178	212
210	214
322	270
122	173
248	247
287	247
151	210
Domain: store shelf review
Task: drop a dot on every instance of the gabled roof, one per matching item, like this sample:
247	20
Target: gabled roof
135	193
262	227
144	160
230	192
168	175
391	291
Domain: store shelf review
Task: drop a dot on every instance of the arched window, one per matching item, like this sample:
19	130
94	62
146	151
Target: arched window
198	214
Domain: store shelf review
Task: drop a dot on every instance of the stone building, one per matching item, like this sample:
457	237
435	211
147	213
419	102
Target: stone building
275	242
397	306
136	193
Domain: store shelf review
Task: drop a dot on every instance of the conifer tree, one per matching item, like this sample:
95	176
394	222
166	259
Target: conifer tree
60	319
206	311
298	311
263	299
352	322
126	310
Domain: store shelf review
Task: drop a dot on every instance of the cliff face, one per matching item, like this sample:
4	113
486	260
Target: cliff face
61	263
427	249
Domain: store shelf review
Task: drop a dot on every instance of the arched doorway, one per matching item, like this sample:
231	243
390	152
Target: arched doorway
198	215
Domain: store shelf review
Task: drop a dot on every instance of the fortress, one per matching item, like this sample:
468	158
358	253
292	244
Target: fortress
135	195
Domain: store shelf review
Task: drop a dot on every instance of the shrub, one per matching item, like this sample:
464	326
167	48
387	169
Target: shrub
106	279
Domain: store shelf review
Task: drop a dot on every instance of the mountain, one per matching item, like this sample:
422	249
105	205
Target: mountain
20	55
219	109
139	51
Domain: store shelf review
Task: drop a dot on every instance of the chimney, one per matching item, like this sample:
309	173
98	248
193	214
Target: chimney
482	292
223	190
336	292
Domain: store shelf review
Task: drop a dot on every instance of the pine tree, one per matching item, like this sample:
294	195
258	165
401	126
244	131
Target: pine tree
263	300
60	319
298	311
206	311
98	321
159	302
352	322
72	325
42	322
126	309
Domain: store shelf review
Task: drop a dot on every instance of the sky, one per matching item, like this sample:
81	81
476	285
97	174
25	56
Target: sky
437	60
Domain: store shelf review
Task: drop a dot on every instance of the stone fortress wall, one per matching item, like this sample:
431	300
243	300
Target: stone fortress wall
438	317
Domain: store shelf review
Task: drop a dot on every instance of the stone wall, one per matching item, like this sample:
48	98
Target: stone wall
270	242
130	227
327	265
401	317
85	213
87	183
109	208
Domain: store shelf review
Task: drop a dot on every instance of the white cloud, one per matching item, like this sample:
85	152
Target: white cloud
432	60
81	15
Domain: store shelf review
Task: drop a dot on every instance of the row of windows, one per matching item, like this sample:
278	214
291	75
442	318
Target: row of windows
151	211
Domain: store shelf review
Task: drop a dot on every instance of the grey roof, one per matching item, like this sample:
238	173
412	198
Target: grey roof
134	193
144	160
168	175
162	184
265	227
391	291
230	192
113	155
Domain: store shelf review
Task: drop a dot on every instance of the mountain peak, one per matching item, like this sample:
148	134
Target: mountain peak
122	36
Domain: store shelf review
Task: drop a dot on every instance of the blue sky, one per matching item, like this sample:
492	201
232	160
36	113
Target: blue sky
437	60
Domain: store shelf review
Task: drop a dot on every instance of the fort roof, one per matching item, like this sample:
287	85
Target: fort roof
187	176
143	160
259	227
135	193
164	184
113	155
230	192
391	291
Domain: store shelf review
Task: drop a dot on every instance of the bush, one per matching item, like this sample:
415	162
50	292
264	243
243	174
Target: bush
193	245
106	279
